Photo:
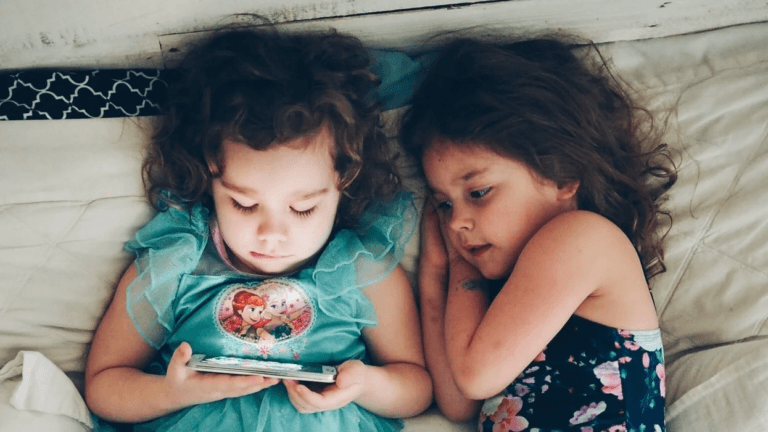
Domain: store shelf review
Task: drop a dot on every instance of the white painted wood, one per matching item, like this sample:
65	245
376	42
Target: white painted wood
143	33
113	33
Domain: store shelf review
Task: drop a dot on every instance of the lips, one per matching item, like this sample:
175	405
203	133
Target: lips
477	250
267	257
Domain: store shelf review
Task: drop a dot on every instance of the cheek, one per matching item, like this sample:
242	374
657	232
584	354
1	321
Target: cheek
232	228
455	240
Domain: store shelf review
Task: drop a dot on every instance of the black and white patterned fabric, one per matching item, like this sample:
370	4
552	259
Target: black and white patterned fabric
54	95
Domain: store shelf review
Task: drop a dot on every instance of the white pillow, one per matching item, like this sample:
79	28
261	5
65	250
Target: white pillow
71	197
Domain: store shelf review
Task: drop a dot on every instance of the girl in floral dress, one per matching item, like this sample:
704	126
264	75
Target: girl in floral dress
539	239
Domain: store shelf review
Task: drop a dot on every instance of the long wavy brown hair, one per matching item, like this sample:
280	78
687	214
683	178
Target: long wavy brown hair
563	113
263	89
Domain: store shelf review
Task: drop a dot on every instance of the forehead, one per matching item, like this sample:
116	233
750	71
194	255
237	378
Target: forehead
447	163
444	158
303	162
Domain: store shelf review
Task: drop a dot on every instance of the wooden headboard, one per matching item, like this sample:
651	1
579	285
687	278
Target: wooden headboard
147	33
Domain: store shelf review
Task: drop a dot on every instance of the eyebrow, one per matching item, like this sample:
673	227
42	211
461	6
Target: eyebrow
474	173
464	178
248	191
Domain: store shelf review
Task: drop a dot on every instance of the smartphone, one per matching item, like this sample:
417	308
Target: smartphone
243	366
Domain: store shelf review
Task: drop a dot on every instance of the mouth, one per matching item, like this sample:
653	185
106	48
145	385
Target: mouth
478	250
267	257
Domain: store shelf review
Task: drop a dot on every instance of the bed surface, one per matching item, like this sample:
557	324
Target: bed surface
71	196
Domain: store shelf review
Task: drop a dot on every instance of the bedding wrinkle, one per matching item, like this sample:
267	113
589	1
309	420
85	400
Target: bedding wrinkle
741	263
44	257
708	221
85	203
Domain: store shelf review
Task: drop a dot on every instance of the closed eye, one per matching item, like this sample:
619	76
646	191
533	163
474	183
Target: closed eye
304	213
242	208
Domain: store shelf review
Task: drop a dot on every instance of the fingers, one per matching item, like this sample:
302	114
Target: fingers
299	396
240	385
307	401
348	386
182	354
433	245
350	373
177	367
192	387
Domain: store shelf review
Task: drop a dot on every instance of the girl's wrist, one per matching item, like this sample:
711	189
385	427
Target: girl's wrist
432	280
365	380
433	271
172	399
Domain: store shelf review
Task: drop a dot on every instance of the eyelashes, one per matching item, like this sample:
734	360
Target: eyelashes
250	209
474	195
305	213
241	208
477	194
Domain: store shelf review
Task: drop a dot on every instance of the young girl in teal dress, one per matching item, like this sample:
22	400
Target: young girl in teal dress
541	236
280	226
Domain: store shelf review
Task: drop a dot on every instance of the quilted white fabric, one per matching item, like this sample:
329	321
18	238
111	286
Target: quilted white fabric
70	196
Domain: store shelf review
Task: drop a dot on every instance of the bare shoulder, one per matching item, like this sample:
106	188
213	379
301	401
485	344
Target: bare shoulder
584	248
583	225
584	233
587	247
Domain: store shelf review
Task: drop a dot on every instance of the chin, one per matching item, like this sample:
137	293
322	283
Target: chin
494	273
491	275
278	268
272	270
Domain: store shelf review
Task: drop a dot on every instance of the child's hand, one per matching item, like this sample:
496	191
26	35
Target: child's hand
350	383
434	256
189	387
437	252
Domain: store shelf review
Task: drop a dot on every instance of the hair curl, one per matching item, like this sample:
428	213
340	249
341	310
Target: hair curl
262	88
566	116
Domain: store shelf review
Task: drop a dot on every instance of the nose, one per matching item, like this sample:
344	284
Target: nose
461	219
271	229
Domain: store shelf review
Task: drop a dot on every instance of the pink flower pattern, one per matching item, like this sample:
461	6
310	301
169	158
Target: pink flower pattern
608	373
505	418
661	373
543	396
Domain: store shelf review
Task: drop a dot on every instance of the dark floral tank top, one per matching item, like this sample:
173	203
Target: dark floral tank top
590	378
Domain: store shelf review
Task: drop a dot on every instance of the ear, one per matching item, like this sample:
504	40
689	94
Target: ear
213	168
568	190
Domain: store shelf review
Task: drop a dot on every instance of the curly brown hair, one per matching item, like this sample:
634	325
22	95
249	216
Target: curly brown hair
563	113
263	89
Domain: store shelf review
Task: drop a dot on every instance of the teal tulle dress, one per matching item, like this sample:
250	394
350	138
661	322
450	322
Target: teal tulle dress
187	290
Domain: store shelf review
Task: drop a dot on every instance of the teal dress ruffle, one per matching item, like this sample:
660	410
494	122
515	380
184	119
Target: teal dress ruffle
186	291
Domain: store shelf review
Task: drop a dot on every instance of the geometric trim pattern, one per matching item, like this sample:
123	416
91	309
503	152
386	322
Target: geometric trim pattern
55	95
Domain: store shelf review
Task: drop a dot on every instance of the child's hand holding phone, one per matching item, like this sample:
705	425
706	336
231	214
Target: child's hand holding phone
187	387
309	398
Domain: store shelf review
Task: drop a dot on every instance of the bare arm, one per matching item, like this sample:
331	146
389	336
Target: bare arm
569	260
401	386
116	388
397	384
433	281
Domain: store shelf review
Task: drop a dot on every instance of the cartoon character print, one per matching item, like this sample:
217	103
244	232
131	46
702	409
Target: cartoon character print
297	310
266	313
248	318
